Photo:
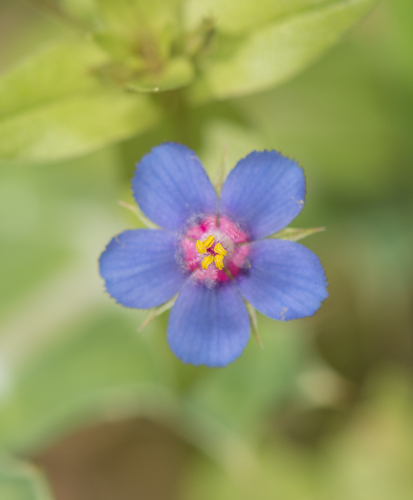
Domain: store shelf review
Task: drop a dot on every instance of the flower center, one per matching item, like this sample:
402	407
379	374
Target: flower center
204	243
215	254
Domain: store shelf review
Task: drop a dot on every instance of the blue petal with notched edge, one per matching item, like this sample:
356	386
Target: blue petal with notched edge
171	185
140	269
208	326
285	281
264	192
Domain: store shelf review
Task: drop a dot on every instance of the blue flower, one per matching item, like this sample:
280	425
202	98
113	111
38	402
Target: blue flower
214	253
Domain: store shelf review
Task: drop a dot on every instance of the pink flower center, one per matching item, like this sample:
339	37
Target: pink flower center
228	235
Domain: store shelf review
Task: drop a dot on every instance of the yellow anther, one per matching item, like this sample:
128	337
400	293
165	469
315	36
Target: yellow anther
218	259
206	261
218	248
201	248
209	241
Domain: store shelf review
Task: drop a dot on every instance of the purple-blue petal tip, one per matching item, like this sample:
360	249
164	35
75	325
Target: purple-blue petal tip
208	326
264	193
171	185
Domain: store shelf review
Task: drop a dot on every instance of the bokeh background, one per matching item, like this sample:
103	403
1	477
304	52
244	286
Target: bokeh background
92	409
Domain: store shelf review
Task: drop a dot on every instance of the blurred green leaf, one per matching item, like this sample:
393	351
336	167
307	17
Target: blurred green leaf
403	13
114	45
101	365
52	107
281	472
82	9
178	72
370	459
20	481
74	126
276	52
128	16
58	72
50	219
399	57
373	458
238	16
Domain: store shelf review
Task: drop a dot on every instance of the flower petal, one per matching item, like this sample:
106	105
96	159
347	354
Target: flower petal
171	185
285	281
140	269
264	192
208	326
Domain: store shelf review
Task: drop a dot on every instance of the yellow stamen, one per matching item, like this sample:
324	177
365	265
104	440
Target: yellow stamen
209	241
201	248
206	261
220	249
218	259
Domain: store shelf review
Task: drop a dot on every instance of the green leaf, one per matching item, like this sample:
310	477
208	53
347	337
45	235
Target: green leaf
373	454
82	9
370	458
276	52
127	16
53	106
280	473
178	72
116	46
101	365
20	481
60	71
238	16
295	234
74	126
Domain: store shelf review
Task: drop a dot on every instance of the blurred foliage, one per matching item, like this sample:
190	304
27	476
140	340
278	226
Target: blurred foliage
86	85
370	460
325	409
20	481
